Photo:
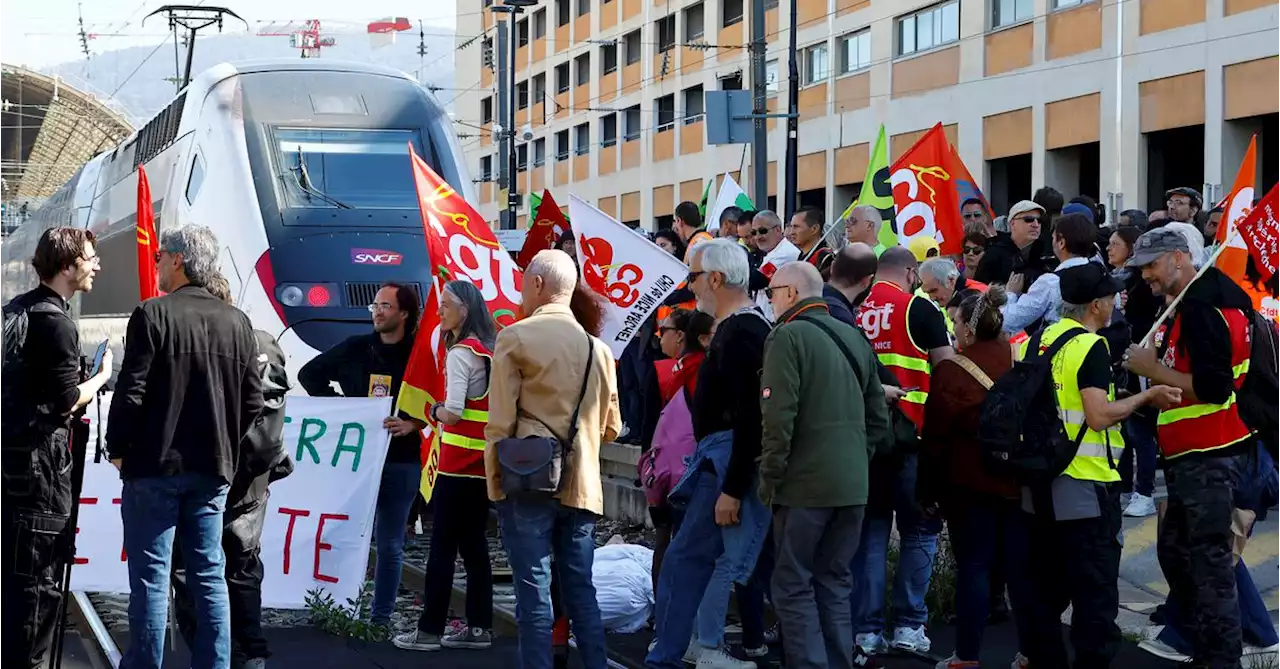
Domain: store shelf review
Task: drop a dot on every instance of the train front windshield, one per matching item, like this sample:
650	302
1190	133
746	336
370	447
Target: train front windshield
361	169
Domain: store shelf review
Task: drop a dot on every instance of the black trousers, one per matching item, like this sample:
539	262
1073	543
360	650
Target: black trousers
1194	548
35	522
1075	562
458	526
242	545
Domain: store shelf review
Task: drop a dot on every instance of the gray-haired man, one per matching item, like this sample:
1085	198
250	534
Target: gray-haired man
187	393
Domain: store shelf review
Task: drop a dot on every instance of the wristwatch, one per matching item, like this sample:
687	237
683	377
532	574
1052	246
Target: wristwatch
435	406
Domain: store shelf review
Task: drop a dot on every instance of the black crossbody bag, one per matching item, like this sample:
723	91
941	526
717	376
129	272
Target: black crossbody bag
534	465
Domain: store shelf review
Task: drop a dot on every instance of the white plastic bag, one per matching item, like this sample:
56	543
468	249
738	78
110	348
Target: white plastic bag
624	586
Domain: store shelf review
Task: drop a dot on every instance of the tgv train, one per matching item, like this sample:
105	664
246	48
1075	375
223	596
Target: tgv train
300	167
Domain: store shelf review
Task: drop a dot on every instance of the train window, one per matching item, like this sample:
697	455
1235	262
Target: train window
196	179
322	167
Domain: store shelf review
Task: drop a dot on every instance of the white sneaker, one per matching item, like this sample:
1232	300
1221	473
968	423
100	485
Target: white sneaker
693	652
911	639
1140	506
871	643
1163	650
1020	661
1259	650
719	658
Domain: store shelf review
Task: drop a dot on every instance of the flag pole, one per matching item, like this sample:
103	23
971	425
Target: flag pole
1168	311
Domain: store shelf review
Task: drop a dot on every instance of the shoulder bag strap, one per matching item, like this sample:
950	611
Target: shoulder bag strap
582	393
848	355
974	371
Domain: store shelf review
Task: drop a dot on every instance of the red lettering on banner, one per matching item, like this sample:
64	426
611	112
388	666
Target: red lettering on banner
321	546
598	266
84	500
288	533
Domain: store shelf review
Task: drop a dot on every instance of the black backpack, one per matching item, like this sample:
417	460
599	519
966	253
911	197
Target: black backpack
19	413
1259	396
1020	433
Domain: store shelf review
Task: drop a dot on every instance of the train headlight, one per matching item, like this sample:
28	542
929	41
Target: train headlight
291	296
309	294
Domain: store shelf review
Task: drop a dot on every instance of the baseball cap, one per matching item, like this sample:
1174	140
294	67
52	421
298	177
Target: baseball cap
1022	207
1077	208
920	247
1155	243
1085	283
1183	190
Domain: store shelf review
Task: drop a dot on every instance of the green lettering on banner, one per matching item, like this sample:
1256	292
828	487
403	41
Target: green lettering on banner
356	448
308	441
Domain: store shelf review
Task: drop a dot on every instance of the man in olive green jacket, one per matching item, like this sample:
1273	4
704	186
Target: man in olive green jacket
822	422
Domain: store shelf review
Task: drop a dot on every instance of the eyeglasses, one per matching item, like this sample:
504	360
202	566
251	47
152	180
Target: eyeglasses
762	231
664	329
1174	202
693	276
1029	219
768	292
380	306
973	250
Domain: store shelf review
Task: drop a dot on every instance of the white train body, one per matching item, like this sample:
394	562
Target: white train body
227	152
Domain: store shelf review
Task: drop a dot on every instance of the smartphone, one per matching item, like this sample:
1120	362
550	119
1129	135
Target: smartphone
98	355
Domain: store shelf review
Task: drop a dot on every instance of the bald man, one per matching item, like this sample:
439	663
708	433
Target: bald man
823	415
851	275
537	370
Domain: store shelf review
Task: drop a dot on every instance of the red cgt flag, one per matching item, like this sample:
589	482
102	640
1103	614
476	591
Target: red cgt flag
924	191
148	244
1259	232
548	224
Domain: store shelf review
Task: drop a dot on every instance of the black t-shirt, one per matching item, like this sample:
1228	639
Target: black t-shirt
728	395
1095	371
51	358
924	322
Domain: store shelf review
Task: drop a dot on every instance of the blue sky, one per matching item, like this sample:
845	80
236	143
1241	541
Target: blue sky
40	33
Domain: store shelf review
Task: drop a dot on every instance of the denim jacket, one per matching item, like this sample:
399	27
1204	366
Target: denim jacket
742	542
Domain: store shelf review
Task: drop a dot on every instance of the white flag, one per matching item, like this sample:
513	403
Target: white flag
632	273
730	195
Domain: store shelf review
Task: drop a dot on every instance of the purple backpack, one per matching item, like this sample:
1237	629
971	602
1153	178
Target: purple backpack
673	442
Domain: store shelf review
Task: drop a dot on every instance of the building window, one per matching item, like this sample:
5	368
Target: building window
732	12
539	152
583	65
666	29
770	4
771	76
486	168
733	82
694	22
609	129
817	64
486	110
522	157
929	28
608	58
1060	4
693	104
666	108
562	145
632	122
562	12
584	7
562	78
632	47
582	138
855	51
522	95
1009	12
522	32
539	89
540	24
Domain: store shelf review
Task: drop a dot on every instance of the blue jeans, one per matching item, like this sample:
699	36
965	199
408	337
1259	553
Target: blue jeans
399	489
1139	443
154	510
532	531
986	534
715	602
916	549
686	571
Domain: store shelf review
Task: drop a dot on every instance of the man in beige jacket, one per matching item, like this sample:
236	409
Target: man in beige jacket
538	365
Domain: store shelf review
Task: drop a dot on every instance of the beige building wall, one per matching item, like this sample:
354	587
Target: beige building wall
1096	71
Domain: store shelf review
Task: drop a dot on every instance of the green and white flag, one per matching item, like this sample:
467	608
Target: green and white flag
706	195
730	195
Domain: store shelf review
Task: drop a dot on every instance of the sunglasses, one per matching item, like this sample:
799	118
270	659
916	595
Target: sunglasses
664	329
973	250
693	276
768	292
1029	219
762	231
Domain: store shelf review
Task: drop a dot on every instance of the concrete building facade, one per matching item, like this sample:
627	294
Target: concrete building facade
1109	98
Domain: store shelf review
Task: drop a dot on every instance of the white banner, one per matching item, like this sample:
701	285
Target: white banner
319	519
632	273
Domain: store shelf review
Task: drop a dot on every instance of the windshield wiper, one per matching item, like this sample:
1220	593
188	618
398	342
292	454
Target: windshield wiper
303	178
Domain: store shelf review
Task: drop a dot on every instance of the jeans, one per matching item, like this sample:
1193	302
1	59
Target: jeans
533	530
715	602
987	535
399	489
812	582
686	571
917	546
1139	443
35	531
242	547
460	521
155	510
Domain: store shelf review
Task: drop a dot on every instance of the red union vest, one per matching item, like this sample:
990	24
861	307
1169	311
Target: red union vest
462	444
1198	427
883	317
